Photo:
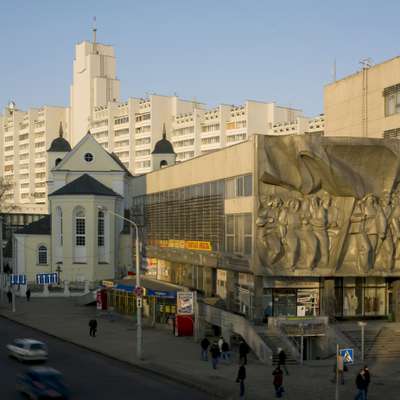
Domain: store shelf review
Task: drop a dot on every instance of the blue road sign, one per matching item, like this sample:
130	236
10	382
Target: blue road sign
18	279
46	279
348	355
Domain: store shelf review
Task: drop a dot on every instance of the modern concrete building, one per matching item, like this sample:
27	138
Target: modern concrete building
366	103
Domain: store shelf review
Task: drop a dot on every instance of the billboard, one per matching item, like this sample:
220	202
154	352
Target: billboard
185	303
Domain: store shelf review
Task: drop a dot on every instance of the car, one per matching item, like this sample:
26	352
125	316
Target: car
28	350
42	383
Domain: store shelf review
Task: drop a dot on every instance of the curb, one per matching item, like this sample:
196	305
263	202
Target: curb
152	369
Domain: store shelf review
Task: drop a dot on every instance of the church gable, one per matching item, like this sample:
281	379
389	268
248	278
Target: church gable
88	155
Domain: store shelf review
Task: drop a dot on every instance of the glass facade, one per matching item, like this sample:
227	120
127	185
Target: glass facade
196	213
361	297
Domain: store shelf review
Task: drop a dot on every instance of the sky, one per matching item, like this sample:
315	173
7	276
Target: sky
218	51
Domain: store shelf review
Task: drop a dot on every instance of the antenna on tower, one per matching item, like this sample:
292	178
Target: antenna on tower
94	30
366	62
334	71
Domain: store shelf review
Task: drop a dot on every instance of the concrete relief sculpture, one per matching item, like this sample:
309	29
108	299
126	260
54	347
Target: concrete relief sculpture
329	205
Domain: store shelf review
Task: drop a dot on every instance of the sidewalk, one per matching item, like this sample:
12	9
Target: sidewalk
178	358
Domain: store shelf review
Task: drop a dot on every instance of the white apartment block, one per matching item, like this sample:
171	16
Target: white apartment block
300	126
129	129
203	130
26	136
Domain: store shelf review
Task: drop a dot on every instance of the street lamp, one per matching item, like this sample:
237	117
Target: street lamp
139	305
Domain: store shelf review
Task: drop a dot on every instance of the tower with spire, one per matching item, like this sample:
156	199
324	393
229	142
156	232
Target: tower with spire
58	149
163	154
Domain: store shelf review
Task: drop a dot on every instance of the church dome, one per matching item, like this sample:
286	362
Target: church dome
163	146
60	144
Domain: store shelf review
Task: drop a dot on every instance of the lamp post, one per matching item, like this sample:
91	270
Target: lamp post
139	340
362	324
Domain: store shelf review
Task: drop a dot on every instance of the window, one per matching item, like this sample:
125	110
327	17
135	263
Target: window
42	254
88	157
239	186
100	228
80	236
238	234
392	100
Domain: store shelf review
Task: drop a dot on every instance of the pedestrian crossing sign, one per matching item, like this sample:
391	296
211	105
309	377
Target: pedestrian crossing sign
348	355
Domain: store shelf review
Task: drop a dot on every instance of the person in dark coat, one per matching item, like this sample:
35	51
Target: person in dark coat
278	381
282	360
241	376
28	294
9	296
361	385
92	327
205	343
225	351
243	351
367	377
215	354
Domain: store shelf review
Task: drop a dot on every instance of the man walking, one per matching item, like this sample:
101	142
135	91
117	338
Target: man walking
92	327
225	351
241	376
28	294
205	343
367	377
361	385
282	360
9	296
215	354
278	381
243	351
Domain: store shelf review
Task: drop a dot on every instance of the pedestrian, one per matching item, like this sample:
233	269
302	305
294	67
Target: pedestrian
241	376
205	343
28	294
282	360
9	296
225	351
215	354
220	342
367	376
243	351
361	385
93	327
339	369
278	381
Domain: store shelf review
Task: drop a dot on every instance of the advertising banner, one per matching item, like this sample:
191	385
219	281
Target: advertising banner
185	303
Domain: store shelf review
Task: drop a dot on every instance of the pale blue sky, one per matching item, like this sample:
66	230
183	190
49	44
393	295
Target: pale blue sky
215	51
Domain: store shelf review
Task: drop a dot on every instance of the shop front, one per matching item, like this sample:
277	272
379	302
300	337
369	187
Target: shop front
291	298
361	297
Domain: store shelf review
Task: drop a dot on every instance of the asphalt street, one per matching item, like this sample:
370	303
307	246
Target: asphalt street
88	374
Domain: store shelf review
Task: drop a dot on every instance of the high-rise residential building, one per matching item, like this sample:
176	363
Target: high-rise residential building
300	126
128	128
203	130
366	103
26	135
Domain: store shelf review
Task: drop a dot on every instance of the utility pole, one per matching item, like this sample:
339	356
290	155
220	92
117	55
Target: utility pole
337	374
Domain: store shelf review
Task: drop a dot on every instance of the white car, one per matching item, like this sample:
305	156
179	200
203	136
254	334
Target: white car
28	350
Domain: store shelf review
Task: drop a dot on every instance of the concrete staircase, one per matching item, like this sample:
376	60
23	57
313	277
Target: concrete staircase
386	344
274	340
380	341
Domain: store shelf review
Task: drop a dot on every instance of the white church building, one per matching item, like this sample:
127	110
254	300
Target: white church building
84	237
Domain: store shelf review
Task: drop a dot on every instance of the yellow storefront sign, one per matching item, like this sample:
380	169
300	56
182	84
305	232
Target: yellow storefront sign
183	244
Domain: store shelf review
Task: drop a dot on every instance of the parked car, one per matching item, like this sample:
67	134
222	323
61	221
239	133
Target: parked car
28	350
42	383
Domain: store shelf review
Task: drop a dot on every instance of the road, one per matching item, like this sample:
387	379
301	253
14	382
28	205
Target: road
88	374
